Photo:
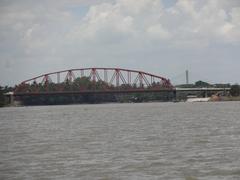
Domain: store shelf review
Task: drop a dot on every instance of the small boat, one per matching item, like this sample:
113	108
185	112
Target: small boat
198	99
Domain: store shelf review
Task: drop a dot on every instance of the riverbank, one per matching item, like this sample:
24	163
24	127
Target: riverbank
230	98
211	99
224	98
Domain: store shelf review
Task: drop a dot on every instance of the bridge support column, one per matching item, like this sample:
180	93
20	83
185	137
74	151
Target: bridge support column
9	99
174	95
206	94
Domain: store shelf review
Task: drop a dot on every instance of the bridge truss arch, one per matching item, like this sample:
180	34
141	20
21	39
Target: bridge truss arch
117	78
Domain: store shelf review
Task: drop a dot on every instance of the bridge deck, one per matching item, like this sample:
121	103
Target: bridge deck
203	89
120	91
93	92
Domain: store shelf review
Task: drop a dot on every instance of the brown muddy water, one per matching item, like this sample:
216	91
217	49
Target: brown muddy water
180	141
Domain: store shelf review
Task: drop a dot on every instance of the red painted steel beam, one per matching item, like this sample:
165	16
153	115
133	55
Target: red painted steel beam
84	69
118	74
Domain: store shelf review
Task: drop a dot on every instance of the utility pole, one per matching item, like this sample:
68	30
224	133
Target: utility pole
187	77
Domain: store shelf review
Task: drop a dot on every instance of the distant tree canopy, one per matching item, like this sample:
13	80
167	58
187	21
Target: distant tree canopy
202	84
3	90
198	84
222	85
80	83
235	90
1	97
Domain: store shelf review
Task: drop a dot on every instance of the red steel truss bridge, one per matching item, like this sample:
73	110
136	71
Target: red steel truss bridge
93	80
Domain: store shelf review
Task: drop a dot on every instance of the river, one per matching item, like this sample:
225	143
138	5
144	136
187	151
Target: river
180	141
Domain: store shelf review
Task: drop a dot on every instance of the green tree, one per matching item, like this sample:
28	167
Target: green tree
1	97
235	90
222	85
201	84
186	86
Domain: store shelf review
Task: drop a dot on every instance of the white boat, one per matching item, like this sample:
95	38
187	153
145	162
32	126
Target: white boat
198	99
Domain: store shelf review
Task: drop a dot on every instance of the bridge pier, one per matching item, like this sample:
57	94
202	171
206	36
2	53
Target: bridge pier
204	94
9	98
174	95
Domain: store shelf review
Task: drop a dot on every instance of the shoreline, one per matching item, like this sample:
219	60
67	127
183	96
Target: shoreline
212	99
225	98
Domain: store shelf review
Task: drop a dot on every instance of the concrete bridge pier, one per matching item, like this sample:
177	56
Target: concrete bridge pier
205	94
174	95
9	98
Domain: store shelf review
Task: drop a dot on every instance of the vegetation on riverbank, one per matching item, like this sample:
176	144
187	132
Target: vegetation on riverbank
1	97
230	98
202	84
234	94
85	83
94	98
235	90
4	90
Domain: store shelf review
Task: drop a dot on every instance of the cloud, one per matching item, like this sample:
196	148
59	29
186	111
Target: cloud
58	34
157	32
186	22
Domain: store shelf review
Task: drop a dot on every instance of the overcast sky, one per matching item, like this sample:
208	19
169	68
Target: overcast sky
164	37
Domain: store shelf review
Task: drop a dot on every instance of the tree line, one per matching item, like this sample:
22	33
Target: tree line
3	90
84	83
202	84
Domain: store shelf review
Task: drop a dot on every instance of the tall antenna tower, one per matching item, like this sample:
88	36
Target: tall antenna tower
187	77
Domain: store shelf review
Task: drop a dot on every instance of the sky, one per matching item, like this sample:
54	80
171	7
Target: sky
163	37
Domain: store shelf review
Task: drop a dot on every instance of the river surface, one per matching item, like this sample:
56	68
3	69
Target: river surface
180	141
